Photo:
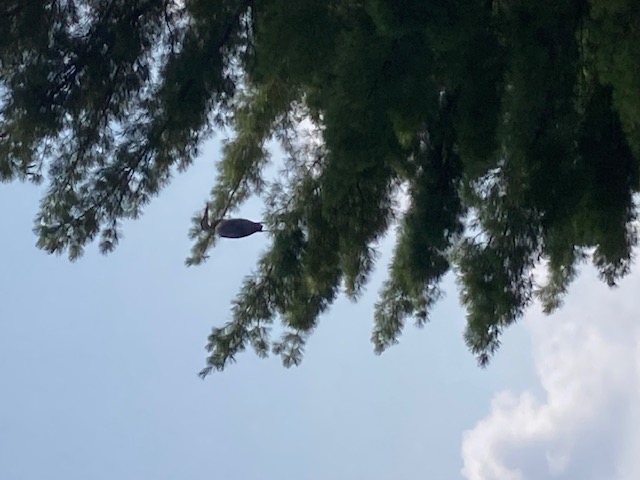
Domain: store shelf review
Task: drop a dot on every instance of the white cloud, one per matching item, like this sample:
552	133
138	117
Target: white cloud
583	420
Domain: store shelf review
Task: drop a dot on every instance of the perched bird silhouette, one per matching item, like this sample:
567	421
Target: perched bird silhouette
231	227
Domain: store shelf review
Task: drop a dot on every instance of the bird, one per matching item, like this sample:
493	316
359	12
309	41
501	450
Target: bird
230	227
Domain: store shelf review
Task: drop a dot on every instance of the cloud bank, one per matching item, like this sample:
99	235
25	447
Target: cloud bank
582	422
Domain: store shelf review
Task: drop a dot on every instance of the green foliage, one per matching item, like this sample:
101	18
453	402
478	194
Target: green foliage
512	129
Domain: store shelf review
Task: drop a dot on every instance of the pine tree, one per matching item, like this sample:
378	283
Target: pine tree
513	127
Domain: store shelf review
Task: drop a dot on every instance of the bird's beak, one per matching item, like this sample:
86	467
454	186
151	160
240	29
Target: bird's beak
204	222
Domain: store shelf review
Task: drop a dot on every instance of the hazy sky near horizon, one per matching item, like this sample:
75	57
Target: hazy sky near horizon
99	362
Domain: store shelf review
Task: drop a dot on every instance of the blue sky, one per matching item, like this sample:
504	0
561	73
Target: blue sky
99	362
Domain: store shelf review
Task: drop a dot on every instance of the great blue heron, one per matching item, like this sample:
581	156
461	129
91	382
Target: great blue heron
231	227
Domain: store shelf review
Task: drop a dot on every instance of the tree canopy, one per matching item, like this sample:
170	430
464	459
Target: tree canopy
512	127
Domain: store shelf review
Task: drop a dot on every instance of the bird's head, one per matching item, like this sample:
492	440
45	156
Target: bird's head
206	225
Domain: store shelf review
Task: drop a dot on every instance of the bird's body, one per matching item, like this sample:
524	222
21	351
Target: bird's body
237	228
